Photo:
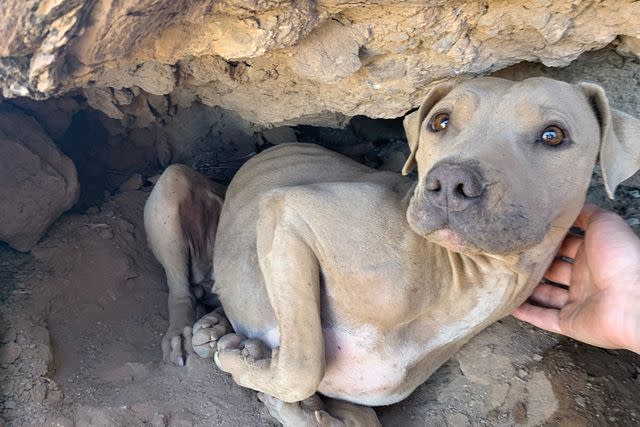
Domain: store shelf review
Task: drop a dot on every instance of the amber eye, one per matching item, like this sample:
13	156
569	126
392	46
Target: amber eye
553	136
439	122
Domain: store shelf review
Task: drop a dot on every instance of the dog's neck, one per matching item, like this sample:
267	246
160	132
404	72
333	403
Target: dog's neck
509	279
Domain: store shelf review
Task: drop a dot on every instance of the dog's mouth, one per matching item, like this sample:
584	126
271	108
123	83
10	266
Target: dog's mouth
449	239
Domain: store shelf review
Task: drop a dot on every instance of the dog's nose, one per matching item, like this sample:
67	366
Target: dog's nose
454	187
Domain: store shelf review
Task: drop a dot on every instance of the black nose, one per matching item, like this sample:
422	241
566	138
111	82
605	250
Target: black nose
453	186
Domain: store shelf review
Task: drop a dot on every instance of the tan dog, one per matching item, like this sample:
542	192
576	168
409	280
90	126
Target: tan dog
361	283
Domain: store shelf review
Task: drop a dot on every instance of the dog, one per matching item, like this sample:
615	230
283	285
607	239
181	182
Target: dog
356	284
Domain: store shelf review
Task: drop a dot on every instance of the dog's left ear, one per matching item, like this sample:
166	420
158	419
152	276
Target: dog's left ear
413	122
619	139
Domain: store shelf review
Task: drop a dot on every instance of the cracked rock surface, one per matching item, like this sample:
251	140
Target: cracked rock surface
280	61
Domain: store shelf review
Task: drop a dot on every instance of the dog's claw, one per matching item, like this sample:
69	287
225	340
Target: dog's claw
176	345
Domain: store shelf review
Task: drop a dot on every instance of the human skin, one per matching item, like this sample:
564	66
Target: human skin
602	303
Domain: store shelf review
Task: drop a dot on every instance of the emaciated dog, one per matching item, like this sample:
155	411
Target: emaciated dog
357	284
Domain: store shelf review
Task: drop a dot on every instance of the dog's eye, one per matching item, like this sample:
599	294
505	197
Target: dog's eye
439	122
553	135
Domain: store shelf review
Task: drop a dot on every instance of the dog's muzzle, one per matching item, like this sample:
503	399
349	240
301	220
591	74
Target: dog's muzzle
453	187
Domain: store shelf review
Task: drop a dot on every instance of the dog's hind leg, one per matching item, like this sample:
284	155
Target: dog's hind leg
180	217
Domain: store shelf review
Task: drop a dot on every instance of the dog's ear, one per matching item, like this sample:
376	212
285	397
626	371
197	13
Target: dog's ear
413	122
619	139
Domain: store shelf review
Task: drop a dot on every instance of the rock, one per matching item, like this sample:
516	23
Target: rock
58	421
37	181
158	420
288	61
9	353
279	135
133	183
542	400
329	54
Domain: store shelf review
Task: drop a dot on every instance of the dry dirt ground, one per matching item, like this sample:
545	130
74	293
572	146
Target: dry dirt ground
83	315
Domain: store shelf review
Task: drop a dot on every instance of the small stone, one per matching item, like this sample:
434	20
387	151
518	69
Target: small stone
522	373
10	404
133	183
58	422
9	353
106	234
580	401
158	420
38	392
633	221
537	357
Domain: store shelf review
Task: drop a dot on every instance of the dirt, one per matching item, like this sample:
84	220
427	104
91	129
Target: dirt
83	315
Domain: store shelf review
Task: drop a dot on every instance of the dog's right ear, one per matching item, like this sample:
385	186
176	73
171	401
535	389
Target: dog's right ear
413	122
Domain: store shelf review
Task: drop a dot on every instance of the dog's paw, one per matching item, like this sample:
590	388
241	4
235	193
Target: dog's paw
176	345
304	413
207	331
247	360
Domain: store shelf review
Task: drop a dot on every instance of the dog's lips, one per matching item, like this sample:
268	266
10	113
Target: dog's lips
449	239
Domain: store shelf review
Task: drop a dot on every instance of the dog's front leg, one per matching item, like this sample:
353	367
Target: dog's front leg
292	277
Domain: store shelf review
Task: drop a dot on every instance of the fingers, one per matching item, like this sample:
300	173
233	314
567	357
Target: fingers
544	318
570	246
559	272
550	296
584	218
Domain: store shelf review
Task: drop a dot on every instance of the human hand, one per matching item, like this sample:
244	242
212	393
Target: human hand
602	303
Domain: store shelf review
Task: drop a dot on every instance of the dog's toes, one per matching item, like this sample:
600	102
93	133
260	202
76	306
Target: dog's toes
230	341
294	414
206	333
176	346
254	349
247	360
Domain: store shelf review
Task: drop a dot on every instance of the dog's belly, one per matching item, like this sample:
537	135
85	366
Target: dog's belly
361	368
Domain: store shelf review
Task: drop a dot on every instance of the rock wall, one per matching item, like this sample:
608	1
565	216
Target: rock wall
280	61
38	182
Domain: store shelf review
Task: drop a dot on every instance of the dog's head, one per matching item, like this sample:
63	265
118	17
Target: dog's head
500	163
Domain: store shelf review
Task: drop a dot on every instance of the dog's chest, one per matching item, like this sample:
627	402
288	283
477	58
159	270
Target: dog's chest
360	367
371	368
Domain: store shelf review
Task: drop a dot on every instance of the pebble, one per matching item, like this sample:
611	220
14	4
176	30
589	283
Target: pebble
92	210
134	182
580	401
537	357
9	353
633	221
158	420
522	373
107	234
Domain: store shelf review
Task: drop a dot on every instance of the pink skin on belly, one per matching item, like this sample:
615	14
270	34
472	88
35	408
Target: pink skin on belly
359	368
